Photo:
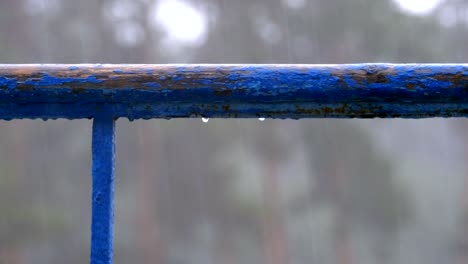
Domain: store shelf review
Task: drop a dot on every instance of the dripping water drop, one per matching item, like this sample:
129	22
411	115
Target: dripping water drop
205	119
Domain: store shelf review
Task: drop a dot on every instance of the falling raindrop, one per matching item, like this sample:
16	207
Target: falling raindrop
261	119
205	119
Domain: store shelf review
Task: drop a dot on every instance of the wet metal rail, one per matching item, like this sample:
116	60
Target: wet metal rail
270	91
107	92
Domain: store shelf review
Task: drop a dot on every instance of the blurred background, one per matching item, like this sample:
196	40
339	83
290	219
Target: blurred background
239	191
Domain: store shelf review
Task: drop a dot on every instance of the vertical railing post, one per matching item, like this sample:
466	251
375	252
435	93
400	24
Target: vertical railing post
103	157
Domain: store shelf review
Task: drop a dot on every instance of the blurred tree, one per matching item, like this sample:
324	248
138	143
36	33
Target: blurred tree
461	238
321	32
359	186
351	176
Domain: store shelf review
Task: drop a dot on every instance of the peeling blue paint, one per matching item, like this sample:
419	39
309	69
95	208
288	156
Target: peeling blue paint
152	85
9	83
52	81
275	91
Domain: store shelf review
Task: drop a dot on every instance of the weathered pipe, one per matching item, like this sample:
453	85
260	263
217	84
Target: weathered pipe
234	91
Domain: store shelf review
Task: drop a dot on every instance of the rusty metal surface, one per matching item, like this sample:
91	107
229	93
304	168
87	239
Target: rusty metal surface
270	91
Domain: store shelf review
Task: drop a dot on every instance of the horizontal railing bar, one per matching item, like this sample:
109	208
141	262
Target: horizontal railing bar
270	91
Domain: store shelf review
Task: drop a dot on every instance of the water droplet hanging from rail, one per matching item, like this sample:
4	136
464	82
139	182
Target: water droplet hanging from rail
205	119
261	119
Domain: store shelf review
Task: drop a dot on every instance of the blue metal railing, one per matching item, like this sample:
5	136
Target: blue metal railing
103	152
108	92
